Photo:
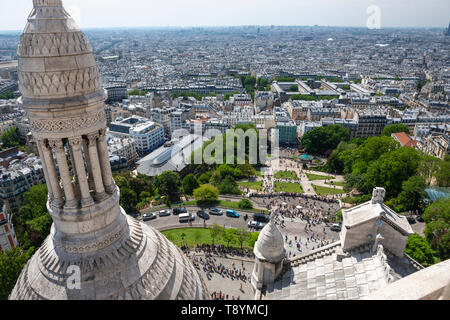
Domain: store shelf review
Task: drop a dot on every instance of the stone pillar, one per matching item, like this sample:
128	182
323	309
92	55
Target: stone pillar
44	167
95	165
69	193
53	180
76	183
104	162
78	163
89	167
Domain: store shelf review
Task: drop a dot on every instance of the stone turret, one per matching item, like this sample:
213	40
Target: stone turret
269	255
94	251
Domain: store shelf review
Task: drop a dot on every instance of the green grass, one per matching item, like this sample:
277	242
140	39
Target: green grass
259	173
339	184
195	236
254	185
313	177
286	175
288	187
322	191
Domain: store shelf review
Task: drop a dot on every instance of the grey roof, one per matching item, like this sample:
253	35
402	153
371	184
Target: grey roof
321	275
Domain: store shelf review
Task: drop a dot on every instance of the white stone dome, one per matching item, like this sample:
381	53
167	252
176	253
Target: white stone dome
270	244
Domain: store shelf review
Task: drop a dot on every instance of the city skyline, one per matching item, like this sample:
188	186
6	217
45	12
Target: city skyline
201	13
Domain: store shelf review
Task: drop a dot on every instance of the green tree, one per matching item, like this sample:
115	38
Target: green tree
229	186
11	265
189	184
216	231
420	250
413	191
443	174
322	139
229	236
392	169
33	222
247	170
241	236
11	138
169	185
395	128
206	193
128	199
253	238
437	230
245	204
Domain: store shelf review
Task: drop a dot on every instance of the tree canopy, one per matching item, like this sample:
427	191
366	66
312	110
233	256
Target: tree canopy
419	249
11	265
206	193
322	139
169	185
33	222
11	138
395	128
189	184
437	230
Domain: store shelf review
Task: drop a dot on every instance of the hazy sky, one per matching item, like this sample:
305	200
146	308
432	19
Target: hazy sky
141	13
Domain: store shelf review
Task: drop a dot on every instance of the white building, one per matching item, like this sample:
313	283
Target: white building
148	136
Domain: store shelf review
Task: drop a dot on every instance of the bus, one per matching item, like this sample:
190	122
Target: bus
186	217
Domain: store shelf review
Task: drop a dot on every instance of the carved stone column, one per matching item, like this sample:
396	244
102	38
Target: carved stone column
76	183
95	165
78	163
53	179
88	164
104	162
69	193
44	167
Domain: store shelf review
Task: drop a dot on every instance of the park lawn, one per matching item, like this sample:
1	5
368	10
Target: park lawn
286	175
259	173
254	185
312	177
288	187
195	236
322	191
339	184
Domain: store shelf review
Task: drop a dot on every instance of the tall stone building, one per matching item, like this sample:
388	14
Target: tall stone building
94	251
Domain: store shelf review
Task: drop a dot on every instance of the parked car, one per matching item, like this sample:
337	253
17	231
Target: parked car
232	214
164	213
177	211
216	212
335	227
203	215
186	217
148	216
420	219
261	218
256	224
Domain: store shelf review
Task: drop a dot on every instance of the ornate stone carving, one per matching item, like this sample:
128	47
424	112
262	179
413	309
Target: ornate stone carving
87	121
56	144
58	44
64	83
92	138
75	142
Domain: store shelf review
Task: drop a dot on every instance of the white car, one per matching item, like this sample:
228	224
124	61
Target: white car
164	213
256	224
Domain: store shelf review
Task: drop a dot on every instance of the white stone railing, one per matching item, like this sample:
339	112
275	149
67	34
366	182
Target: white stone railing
432	283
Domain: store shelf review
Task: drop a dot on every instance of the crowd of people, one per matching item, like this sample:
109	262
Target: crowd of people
219	250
